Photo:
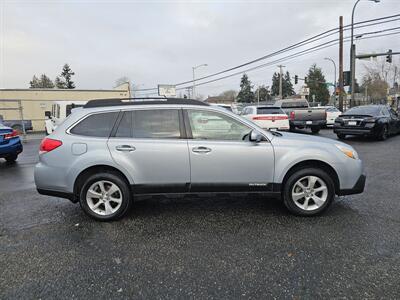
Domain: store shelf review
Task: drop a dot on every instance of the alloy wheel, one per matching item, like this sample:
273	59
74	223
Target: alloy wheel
104	197
310	193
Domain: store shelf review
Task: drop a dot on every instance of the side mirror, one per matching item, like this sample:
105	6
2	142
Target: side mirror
47	114
255	136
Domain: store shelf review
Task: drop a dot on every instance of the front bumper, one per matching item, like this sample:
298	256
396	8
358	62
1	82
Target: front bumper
358	188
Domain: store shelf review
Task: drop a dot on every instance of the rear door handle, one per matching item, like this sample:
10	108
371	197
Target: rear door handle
126	148
201	149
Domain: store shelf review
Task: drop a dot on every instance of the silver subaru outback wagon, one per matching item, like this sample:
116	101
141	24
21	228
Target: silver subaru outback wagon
108	151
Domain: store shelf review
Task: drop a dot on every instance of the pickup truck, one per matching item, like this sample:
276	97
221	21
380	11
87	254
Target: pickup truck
17	124
301	115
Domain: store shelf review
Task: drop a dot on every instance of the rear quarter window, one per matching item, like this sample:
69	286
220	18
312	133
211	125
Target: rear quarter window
96	125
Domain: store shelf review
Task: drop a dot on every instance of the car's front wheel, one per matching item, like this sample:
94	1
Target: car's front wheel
383	135
308	192
105	196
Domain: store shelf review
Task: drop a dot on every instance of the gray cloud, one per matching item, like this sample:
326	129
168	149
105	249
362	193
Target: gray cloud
155	42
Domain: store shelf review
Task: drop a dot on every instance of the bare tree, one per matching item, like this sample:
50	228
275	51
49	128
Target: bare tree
121	80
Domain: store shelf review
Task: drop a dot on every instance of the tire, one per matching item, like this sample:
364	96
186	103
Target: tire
341	136
315	129
11	158
326	192
292	128
383	135
107	209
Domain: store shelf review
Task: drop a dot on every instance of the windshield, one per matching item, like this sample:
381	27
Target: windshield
364	110
269	111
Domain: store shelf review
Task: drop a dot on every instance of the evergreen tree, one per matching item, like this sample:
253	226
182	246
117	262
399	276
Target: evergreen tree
287	86
275	84
263	92
64	80
34	83
43	82
246	94
317	84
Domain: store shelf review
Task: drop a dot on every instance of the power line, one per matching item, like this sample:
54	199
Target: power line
292	56
307	41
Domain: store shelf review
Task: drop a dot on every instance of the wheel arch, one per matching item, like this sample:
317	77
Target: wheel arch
313	164
93	170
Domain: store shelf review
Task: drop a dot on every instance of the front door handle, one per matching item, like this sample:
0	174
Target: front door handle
126	148
201	149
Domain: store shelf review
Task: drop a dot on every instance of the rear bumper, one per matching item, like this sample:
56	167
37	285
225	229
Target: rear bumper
358	188
69	196
320	123
356	131
11	148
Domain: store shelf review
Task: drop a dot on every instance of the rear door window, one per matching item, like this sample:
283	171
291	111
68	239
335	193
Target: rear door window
96	125
156	124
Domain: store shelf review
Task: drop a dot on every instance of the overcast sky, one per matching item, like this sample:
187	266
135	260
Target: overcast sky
154	42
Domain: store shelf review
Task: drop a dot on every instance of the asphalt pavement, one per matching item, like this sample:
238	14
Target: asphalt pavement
203	247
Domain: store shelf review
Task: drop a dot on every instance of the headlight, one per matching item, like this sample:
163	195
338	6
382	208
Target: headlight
347	151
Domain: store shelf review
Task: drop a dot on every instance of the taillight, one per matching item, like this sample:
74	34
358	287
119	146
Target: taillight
11	135
48	145
262	118
292	115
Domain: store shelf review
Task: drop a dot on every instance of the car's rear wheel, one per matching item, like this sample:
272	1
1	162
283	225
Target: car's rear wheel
105	196
308	192
11	158
315	129
341	136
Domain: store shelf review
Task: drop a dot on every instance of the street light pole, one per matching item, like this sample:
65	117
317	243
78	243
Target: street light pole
334	65
352	53
194	79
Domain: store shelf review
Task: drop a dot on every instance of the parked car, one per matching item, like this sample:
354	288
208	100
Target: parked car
17	124
109	150
331	114
10	143
267	117
378	121
301	115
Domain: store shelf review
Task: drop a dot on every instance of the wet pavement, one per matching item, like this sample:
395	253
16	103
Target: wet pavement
203	247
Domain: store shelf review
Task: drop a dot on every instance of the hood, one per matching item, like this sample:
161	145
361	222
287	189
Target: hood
299	138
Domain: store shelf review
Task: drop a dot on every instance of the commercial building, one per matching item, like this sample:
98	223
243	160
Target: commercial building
35	102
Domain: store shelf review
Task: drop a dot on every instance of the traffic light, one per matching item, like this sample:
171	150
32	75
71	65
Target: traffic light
296	79
305	80
346	78
389	56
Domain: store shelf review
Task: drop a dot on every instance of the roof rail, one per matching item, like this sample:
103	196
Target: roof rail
141	101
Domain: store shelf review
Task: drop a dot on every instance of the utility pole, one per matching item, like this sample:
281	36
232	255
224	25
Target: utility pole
340	63
280	81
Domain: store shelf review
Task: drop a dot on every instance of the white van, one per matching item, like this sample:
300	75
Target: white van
59	111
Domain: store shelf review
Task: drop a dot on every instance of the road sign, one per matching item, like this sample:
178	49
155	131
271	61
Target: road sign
166	90
305	91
